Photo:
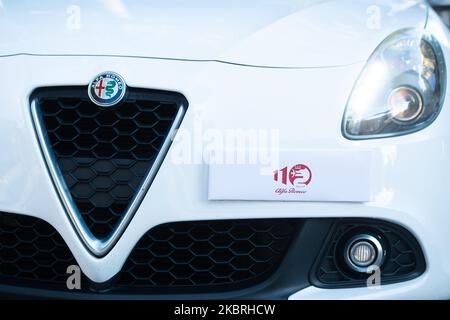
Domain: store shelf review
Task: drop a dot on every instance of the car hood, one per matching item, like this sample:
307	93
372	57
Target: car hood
271	33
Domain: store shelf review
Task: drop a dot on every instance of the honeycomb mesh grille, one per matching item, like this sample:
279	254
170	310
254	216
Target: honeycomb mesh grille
210	253
32	253
182	257
403	259
104	154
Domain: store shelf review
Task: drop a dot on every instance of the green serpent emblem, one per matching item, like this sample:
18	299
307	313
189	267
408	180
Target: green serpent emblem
110	88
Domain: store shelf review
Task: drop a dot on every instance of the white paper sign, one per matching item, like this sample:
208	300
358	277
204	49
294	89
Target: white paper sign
303	175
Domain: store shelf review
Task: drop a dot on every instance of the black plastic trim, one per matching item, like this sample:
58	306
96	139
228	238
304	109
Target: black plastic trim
296	271
373	226
290	277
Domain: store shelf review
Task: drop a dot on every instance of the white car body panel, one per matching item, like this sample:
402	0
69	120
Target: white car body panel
228	96
233	31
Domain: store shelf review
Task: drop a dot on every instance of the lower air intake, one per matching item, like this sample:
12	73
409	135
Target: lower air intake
32	253
171	258
403	261
211	254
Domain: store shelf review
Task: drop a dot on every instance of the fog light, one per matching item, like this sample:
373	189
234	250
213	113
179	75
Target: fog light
363	251
405	104
363	254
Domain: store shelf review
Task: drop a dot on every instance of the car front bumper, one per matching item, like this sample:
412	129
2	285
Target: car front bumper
410	182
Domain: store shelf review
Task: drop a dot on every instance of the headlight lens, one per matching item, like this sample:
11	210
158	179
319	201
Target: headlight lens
400	90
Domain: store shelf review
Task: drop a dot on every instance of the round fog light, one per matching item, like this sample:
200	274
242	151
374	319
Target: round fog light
405	104
363	251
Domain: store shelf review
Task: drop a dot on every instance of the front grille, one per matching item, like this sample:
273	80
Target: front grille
176	257
104	154
404	258
32	253
209	254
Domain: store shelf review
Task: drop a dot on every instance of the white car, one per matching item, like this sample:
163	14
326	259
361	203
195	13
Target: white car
216	150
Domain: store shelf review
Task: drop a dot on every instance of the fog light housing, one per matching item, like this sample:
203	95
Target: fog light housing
363	251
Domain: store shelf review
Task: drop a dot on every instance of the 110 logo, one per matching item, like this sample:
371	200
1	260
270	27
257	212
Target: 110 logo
298	176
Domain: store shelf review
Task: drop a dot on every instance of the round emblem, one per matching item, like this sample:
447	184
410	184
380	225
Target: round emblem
107	89
300	175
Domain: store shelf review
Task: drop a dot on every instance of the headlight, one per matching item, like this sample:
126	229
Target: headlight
400	90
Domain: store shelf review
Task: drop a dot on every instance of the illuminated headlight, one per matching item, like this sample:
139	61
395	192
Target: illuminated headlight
400	90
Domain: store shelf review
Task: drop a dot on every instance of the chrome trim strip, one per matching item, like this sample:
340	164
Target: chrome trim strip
98	247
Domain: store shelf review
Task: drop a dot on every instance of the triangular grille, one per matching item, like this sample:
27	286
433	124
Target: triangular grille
103	156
